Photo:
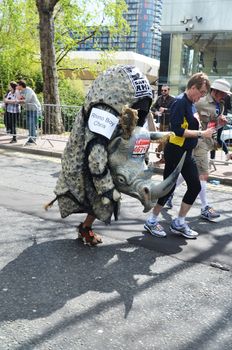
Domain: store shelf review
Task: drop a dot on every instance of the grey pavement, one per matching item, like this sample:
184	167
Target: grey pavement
132	292
54	147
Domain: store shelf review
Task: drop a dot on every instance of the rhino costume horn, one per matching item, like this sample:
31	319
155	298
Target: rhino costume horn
132	179
105	151
153	192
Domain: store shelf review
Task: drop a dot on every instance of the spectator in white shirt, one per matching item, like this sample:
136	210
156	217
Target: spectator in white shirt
12	110
33	108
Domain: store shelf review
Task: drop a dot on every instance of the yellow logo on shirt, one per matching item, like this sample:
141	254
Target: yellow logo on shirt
179	140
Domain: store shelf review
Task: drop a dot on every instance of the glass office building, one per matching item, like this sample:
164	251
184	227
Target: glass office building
143	17
197	37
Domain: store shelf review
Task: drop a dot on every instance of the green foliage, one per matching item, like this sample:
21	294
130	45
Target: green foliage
74	20
85	20
19	43
106	60
71	95
71	92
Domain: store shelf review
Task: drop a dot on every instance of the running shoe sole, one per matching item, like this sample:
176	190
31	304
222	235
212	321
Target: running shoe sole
210	219
154	234
183	233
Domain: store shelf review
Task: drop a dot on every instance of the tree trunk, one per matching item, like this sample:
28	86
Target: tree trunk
53	119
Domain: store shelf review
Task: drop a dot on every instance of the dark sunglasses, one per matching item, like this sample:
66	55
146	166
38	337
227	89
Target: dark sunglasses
164	90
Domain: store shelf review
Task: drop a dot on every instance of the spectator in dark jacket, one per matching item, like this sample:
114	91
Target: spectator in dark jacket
161	108
161	111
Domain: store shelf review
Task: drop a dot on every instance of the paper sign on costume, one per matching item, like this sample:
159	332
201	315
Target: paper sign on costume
102	122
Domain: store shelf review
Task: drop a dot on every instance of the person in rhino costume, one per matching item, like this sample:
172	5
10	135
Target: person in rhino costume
118	102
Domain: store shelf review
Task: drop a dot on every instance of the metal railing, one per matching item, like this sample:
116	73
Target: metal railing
54	123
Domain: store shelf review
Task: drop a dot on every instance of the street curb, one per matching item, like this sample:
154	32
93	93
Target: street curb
222	180
40	152
55	154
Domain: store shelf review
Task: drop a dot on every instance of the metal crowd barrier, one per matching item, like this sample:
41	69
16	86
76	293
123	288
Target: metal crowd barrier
53	122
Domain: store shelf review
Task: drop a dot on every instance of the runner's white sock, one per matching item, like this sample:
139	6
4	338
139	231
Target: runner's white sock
202	195
152	218
179	181
181	220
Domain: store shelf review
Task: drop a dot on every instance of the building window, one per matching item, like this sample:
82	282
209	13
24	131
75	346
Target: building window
195	52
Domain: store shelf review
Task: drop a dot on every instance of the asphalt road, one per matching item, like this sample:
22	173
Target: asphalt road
132	292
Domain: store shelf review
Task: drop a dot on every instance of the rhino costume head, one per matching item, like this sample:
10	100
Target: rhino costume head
105	151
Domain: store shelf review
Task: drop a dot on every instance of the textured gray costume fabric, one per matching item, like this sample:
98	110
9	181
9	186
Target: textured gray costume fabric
85	177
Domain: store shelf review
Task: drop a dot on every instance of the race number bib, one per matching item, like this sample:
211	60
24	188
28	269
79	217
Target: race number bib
141	147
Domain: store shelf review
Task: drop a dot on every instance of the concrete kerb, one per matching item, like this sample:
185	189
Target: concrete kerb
39	151
57	154
222	179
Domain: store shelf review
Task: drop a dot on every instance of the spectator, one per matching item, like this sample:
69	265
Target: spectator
33	109
227	104
186	128
209	109
12	110
222	144
161	110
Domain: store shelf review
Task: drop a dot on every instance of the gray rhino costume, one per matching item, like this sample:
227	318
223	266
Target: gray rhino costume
105	151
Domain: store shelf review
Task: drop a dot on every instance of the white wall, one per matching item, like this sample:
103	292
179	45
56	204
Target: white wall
148	66
216	15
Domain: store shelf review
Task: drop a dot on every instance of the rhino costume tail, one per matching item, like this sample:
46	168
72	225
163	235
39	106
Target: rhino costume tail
50	204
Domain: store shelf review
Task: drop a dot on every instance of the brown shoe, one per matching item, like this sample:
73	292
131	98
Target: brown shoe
87	236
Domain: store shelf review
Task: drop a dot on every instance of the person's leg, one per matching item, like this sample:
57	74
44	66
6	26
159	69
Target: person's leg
202	194
33	124
207	212
212	154
12	126
156	210
184	209
14	119
85	232
35	118
89	220
152	225
203	169
11	123
172	158
8	126
28	116
169	203
191	176
224	147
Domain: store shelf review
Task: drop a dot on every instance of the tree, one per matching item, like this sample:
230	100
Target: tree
48	63
74	23
19	44
42	32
